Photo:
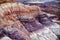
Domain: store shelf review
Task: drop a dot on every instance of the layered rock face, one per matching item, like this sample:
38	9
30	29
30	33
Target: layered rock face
20	22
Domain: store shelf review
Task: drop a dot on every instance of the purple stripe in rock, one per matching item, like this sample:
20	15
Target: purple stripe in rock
32	26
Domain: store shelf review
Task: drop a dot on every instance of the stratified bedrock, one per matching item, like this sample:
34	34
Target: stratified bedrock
19	22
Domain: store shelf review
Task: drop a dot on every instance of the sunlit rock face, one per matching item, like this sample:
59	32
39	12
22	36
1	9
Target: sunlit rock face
44	34
37	30
5	38
44	19
26	27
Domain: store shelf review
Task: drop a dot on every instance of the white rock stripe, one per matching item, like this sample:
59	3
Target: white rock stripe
44	34
5	38
55	28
